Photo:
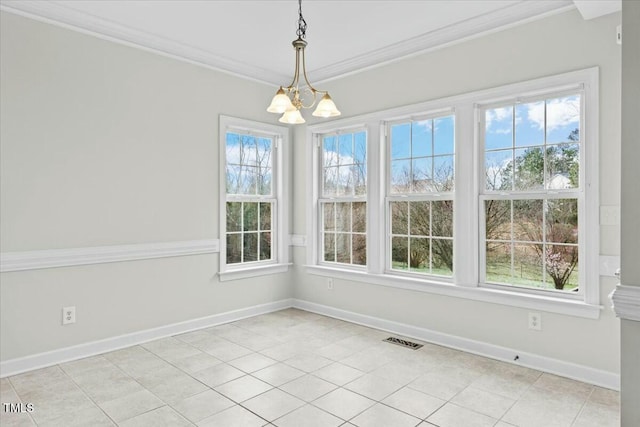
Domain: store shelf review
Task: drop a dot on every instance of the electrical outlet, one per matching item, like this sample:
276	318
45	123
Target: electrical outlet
68	315
330	284
535	321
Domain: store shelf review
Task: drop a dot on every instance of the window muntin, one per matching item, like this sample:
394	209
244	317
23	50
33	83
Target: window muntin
250	200
533	195
420	196
342	204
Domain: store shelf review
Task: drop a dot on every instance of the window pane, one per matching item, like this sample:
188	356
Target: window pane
527	220
250	213
563	166
498	128
444	135
234	216
233	179
527	266
400	218
442	218
330	181
419	254
442	251
399	253
563	119
250	249
359	248
360	178
265	216
234	248
343	248
264	152
419	218
529	124
529	168
248	150
498	167
360	140
400	176
345	145
330	156
421	138
401	141
561	265
497	219
343	216
233	148
265	246
562	221
442	173
248	180
498	262
422	176
328	213
263	181
359	217
345	180
330	247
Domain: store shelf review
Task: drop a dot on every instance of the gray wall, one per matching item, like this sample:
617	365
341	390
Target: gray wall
550	46
630	212
104	144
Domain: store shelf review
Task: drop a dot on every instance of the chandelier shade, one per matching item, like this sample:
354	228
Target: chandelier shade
290	100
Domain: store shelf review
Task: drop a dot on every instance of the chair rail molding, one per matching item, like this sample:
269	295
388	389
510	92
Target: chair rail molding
625	301
51	258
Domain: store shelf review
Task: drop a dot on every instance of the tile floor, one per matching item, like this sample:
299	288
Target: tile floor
295	369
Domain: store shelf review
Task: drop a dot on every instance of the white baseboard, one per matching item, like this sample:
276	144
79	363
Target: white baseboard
554	366
67	354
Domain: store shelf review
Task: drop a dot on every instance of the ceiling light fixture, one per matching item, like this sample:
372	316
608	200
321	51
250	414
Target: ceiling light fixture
287	100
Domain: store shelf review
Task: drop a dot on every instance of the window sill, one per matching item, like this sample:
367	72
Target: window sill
564	306
248	272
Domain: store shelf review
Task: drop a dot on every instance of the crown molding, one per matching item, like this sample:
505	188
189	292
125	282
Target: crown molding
512	16
52	258
59	15
517	14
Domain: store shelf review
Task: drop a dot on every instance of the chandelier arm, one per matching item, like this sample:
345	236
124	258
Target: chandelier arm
306	79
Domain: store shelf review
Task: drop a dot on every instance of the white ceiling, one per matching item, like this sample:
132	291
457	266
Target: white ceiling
252	38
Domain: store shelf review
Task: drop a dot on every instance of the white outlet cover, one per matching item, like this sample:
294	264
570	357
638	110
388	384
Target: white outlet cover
68	315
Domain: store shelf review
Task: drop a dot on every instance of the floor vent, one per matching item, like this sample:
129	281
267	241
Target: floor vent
403	343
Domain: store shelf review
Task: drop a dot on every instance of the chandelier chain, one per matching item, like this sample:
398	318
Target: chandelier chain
302	24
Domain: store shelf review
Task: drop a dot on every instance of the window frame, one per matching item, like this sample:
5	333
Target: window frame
279	190
468	187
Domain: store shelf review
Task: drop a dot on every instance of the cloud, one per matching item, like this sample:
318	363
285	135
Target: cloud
560	112
497	115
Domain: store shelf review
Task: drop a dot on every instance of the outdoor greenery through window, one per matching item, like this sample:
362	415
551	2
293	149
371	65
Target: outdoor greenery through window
250	201
420	195
342	204
532	193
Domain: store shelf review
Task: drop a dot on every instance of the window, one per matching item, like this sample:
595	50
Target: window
490	195
251	202
342	204
532	193
420	195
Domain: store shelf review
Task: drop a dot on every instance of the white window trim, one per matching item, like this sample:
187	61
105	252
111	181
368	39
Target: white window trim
466	198
280	253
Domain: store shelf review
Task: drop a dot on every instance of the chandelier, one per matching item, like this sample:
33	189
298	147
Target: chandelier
288	101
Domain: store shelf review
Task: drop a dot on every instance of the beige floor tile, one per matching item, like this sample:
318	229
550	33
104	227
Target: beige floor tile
383	416
12	419
178	390
91	416
227	351
506	382
606	397
164	416
200	406
83	366
399	371
541	407
131	405
334	352
338	374
414	402
218	374
252	362
483	401
308	387
278	374
596	415
549	382
243	388
236	416
451	415
273	404
38	379
437	384
54	402
343	403
373	387
283	351
107	384
170	349
308	362
196	362
308	416
366	361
